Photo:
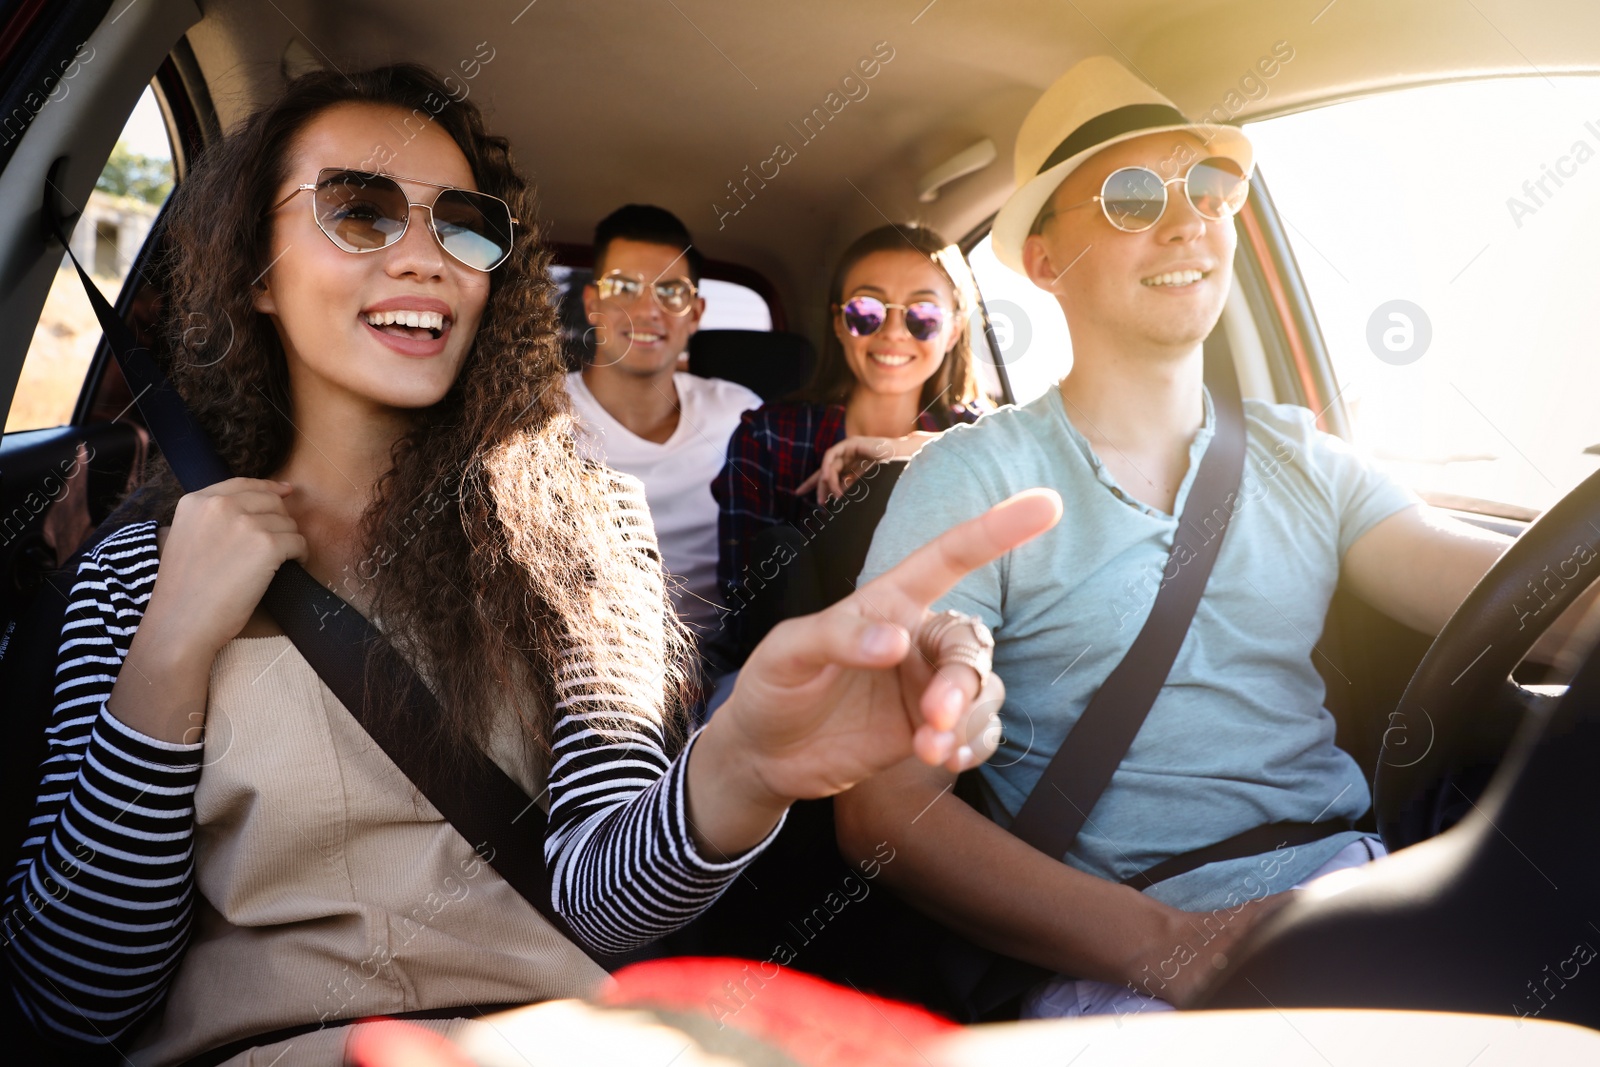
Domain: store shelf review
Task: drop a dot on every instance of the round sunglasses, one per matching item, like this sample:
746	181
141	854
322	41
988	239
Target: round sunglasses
363	211
676	295
865	316
1134	198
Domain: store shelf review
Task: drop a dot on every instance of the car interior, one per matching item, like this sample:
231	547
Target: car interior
683	105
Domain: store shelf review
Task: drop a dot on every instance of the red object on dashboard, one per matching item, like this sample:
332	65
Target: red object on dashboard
811	1020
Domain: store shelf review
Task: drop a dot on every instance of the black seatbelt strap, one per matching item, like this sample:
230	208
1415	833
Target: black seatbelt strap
1066	793
1255	841
484	804
1071	785
193	461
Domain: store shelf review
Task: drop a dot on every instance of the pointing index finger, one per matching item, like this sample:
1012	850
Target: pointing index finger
934	569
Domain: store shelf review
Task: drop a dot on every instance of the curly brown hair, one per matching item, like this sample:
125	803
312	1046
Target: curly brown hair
493	549
956	380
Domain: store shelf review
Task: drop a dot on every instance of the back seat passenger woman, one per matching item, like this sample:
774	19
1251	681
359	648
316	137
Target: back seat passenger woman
896	370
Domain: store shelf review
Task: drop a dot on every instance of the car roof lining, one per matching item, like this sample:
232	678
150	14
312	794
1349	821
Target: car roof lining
607	104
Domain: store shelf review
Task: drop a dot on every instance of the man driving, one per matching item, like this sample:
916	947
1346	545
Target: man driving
1123	212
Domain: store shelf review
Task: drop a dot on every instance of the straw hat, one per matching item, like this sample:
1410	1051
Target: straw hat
1096	104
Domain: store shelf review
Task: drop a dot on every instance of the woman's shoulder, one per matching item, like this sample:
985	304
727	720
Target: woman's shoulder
117	569
790	419
621	491
127	550
774	410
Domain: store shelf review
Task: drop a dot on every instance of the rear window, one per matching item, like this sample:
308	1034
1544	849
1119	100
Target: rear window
730	306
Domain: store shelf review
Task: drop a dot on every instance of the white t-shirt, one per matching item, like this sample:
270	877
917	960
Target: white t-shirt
677	476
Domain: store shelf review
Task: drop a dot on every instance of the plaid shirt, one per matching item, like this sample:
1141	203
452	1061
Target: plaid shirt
775	448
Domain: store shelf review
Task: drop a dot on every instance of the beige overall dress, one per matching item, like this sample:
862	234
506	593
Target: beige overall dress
329	888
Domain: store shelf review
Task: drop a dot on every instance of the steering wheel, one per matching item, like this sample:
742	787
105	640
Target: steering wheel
1448	707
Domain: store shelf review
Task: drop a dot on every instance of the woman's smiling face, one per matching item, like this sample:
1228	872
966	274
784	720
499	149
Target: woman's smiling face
329	306
891	360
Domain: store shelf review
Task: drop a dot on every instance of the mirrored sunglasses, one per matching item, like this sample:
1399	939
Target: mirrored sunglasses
676	295
1134	198
865	316
363	211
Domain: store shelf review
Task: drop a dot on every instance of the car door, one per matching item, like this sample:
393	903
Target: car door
95	107
90	112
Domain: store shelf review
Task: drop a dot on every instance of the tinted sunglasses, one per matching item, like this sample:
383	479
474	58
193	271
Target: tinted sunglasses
675	295
1134	198
361	211
865	316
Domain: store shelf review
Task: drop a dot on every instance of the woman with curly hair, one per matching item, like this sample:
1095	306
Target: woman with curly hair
219	850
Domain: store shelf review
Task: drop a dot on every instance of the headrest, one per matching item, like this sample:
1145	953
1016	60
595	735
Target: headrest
771	363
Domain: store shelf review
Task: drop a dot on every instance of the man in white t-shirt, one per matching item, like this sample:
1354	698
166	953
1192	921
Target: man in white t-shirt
641	415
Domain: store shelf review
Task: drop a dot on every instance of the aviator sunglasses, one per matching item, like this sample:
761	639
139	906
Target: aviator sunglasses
1134	198
361	211
676	295
865	316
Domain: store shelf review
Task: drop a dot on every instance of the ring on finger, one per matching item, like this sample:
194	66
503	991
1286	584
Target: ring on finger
975	649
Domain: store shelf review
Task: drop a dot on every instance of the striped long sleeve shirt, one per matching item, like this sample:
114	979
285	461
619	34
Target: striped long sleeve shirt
98	911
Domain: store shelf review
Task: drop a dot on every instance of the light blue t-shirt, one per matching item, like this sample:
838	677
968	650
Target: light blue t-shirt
1238	736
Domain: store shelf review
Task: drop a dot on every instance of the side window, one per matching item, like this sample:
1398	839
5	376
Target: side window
134	184
1028	324
1444	237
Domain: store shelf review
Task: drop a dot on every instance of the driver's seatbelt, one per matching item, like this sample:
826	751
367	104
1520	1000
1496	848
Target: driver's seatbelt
1060	803
1066	793
484	804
